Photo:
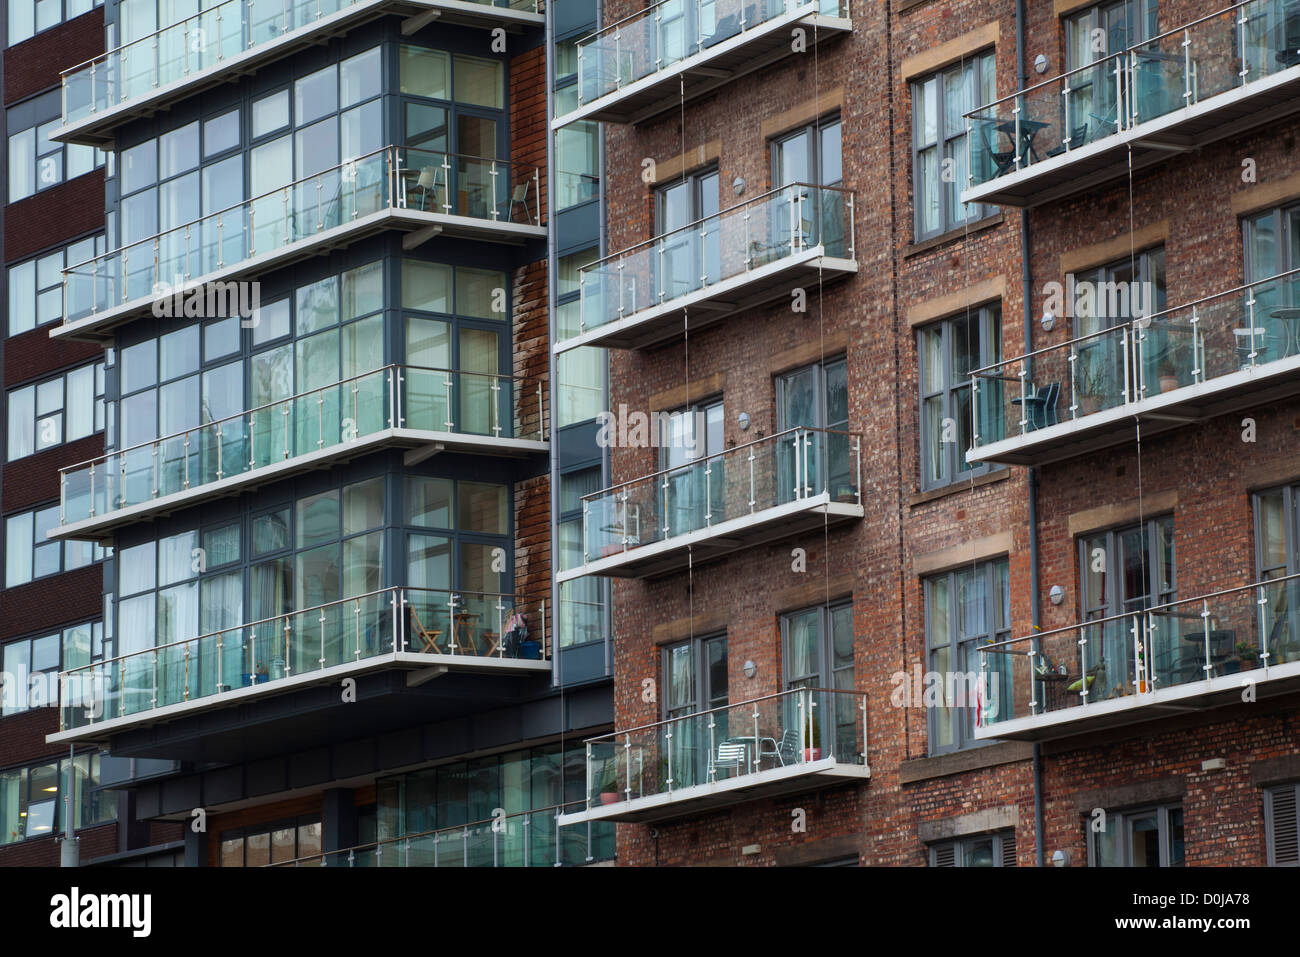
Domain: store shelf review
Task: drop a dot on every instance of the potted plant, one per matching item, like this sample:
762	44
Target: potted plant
607	784
1168	376
812	739
1247	656
1091	386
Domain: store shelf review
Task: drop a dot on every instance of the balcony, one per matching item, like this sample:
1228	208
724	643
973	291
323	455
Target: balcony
425	410
524	839
1208	80
423	632
786	484
1234	350
767	747
418	192
1181	657
740	258
232	39
676	50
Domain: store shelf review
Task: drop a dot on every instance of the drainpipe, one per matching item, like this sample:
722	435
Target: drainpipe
1026	295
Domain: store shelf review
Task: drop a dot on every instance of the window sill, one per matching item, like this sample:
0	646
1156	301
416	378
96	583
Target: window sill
925	245
961	485
967	759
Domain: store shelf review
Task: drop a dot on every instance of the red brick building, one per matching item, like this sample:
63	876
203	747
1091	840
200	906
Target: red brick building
845	250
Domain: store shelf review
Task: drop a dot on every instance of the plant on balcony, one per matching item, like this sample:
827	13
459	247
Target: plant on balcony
607	782
1247	657
1168	376
1092	385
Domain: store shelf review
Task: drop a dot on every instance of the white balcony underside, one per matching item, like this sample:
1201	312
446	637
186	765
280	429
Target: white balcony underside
97	326
99	128
708	69
1193	697
1159	413
651	326
764	525
1215	118
422	667
100	527
700	798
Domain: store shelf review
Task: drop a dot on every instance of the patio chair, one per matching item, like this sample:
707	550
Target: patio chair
1078	137
519	197
731	754
1040	408
1003	160
786	751
429	637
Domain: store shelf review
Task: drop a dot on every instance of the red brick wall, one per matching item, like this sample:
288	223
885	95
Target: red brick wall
528	120
34	65
54	215
869	312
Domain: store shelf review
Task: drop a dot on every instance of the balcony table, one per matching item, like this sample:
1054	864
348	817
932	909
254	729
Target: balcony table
1028	130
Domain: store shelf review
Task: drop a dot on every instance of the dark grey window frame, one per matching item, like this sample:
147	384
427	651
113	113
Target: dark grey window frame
1004	846
814	132
988	324
948	219
1114	574
1288	795
956	644
699	663
1120	819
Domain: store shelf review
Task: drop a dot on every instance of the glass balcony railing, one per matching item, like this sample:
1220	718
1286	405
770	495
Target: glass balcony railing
488	191
202	43
522	839
271	651
797	465
733	742
662	35
498	407
1228	50
1245	329
1241	631
728	245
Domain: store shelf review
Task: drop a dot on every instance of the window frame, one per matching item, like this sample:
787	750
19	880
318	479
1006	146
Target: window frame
66	14
963	650
1122	817
1003	844
1271	796
986	320
984	71
97	383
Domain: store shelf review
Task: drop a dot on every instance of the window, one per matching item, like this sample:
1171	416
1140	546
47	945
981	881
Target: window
1123	291
817	653
29	554
577	146
32	665
1147	837
580	389
687	258
453	529
984	850
949	352
1096	35
1272	246
58	410
812	156
31	799
317	550
581	615
1281	825
817	397
695	681
1124	571
264	844
463	792
939	172
29	17
36	162
36	286
965	610
1277	556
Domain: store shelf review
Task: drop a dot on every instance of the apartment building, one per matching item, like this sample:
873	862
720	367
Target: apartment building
961	528
309	527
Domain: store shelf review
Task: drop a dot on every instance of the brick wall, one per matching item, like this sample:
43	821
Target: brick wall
54	215
34	65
